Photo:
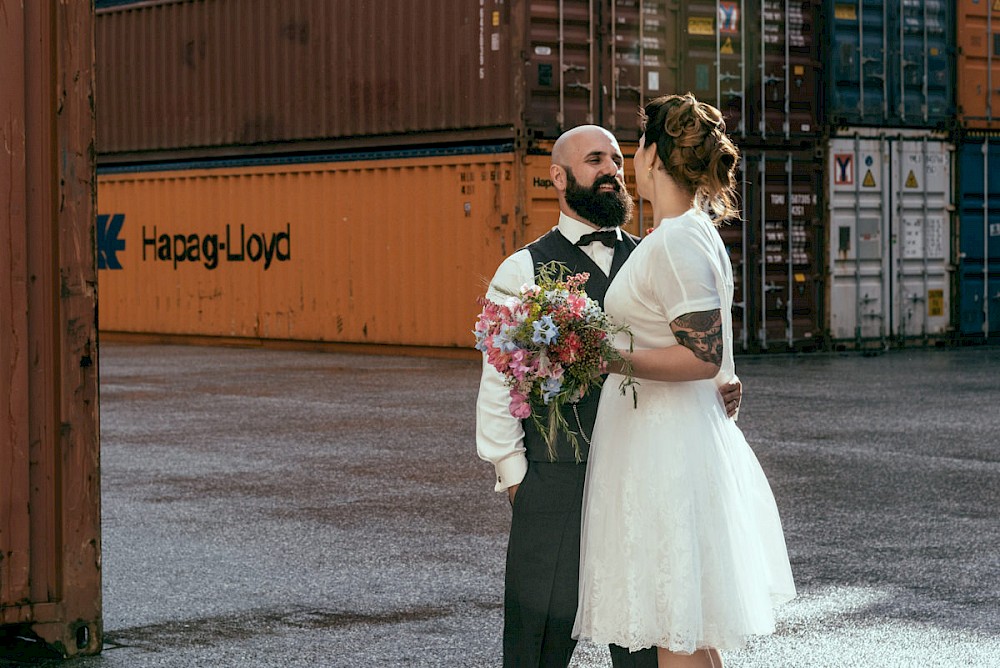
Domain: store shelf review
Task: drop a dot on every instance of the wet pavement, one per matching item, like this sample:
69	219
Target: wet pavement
292	509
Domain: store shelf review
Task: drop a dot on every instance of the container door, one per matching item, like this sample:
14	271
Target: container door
858	243
641	59
921	65
890	62
921	177
561	66
783	95
776	252
857	77
713	56
889	239
979	236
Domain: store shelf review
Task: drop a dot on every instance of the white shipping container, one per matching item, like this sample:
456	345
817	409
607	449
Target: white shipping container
891	208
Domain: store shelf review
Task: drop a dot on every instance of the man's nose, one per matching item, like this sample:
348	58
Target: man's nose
609	166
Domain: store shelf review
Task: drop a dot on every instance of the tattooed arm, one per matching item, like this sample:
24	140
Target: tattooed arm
698	357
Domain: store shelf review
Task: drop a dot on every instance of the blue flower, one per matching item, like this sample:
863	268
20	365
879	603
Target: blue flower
480	341
545	330
504	339
550	388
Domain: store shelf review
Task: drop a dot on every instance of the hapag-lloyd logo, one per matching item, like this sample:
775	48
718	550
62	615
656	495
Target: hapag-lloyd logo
233	245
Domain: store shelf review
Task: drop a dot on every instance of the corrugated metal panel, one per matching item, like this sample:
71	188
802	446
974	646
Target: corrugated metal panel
353	252
49	474
776	251
890	63
245	72
978	76
890	236
178	76
562	73
757	61
979	235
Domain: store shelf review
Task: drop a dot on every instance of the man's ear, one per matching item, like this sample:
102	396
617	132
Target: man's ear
558	175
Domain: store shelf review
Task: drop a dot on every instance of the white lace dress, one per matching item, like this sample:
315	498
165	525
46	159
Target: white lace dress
682	544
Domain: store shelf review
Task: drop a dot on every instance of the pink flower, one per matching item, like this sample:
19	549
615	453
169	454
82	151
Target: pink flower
517	363
519	406
577	303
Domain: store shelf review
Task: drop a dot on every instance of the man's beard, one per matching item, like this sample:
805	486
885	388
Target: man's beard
604	209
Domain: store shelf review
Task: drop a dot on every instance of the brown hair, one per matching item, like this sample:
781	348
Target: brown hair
691	142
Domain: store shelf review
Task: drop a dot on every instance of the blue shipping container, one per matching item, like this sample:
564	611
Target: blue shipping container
890	63
979	236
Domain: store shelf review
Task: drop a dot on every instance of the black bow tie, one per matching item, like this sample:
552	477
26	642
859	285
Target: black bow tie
607	237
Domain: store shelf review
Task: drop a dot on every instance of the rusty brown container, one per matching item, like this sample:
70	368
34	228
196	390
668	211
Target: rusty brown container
183	79
756	60
777	251
50	552
252	73
977	81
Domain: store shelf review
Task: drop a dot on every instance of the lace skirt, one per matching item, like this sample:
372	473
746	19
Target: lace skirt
682	545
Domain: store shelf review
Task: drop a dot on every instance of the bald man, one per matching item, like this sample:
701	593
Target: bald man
543	551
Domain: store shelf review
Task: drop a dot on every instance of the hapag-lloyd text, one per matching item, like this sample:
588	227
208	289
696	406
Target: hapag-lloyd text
209	250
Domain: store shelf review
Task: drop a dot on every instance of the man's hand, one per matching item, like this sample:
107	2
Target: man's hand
512	492
732	395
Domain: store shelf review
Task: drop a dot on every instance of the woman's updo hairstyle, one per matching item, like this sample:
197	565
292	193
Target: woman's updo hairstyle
691	142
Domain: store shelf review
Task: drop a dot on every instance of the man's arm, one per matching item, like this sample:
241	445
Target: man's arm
499	435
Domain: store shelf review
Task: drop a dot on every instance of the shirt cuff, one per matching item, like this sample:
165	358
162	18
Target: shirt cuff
510	471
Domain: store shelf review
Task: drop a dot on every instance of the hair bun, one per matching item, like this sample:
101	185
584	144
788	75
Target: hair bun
691	142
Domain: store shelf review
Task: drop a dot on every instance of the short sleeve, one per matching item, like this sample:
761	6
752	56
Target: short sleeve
685	277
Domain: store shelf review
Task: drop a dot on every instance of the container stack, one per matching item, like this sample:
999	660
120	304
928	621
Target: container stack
978	167
759	62
889	87
265	167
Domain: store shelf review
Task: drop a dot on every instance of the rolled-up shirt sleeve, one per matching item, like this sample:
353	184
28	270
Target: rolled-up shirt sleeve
499	435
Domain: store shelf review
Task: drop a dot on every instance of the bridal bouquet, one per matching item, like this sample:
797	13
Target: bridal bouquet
552	343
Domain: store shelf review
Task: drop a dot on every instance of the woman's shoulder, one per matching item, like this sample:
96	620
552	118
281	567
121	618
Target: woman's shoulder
691	229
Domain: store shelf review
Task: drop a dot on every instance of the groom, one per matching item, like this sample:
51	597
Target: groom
543	552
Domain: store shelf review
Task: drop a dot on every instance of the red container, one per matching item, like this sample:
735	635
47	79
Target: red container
50	549
181	79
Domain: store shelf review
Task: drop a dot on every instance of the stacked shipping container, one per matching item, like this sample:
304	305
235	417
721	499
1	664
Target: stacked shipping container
978	167
839	108
889	78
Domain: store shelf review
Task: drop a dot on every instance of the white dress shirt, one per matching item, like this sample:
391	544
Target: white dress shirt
499	435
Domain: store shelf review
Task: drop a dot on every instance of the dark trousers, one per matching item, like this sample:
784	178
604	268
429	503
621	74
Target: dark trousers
543	572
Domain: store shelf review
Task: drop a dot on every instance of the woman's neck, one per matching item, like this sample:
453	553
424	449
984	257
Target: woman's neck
670	200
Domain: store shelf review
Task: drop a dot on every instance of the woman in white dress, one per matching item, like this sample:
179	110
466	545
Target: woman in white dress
682	547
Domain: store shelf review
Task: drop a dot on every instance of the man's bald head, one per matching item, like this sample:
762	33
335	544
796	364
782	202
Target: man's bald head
578	139
588	174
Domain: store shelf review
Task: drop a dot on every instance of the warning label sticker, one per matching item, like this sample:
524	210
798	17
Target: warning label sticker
843	169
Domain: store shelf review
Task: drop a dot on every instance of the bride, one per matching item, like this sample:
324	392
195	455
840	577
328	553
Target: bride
682	547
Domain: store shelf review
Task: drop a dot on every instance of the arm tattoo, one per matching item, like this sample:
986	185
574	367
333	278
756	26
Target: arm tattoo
701	333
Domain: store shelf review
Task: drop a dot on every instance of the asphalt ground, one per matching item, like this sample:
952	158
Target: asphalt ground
292	509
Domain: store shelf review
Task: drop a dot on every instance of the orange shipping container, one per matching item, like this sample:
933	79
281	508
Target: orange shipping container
978	68
389	251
